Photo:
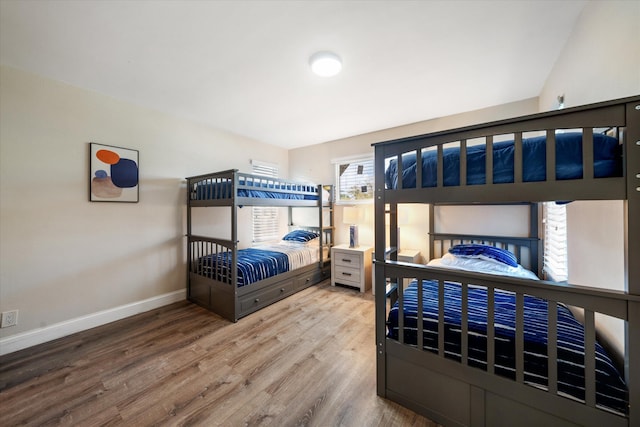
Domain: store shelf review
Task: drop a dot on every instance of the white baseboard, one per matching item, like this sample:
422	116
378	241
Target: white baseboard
41	335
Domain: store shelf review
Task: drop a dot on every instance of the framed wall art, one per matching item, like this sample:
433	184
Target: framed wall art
113	174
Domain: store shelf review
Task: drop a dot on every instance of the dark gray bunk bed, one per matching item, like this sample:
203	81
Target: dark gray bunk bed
452	369
217	276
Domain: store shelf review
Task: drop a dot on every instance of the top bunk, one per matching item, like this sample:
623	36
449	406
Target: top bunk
234	188
590	152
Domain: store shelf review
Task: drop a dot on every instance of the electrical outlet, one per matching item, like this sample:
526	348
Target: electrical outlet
9	318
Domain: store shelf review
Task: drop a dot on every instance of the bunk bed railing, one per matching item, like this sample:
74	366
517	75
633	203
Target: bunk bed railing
591	301
226	186
213	258
450	178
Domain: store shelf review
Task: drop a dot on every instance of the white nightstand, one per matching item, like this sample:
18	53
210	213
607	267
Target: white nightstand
407	255
351	266
410	255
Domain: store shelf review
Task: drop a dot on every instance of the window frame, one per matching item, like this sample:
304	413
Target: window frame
368	160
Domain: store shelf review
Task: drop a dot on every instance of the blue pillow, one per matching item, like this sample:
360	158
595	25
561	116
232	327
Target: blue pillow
301	236
475	250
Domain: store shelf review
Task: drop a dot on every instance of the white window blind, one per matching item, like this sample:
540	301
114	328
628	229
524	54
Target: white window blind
355	179
265	218
555	242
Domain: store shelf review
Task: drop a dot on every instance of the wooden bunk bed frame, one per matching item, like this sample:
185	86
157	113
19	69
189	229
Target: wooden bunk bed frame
222	189
451	392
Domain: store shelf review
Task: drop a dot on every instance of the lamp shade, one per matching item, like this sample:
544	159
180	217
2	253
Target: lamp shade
350	215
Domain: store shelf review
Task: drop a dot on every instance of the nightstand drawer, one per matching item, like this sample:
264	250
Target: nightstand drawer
347	274
347	260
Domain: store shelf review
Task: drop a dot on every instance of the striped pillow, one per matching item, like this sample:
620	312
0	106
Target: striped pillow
301	236
475	250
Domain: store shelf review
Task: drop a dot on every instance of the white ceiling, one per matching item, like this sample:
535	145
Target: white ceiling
243	65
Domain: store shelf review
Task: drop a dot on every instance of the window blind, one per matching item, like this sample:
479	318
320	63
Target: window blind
265	218
555	242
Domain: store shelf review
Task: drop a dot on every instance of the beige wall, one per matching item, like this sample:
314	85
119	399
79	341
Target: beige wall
63	257
414	233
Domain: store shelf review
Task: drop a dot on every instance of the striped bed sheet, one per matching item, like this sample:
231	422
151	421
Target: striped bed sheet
260	262
611	391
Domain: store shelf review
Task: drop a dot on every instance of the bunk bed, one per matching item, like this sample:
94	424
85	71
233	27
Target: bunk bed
234	282
469	346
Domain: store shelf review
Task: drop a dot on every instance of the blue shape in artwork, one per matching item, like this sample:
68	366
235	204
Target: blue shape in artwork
101	173
124	174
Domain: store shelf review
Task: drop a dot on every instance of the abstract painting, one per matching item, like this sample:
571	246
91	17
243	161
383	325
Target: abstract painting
113	174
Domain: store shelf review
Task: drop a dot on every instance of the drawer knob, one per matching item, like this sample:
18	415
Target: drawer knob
257	300
281	289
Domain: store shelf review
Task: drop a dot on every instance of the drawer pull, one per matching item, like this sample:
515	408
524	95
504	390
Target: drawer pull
281	289
257	300
346	260
346	274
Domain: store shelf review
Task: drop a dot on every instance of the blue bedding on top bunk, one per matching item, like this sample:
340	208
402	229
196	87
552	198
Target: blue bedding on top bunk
611	391
607	162
222	190
253	265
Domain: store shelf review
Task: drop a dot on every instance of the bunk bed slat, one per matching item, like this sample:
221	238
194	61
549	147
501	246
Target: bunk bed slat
552	346
587	153
464	333
440	318
463	163
519	337
551	155
401	330
400	171
517	157
440	167
489	159
419	170
491	343
590	358
420	321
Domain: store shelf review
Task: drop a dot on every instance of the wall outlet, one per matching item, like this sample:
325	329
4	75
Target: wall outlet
9	318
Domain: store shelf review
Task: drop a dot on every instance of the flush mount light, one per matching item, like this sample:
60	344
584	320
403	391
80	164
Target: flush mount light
325	64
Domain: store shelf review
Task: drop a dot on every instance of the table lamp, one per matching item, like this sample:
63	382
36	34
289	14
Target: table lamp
351	215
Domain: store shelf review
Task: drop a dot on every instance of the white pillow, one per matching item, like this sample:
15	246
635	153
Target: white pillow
480	265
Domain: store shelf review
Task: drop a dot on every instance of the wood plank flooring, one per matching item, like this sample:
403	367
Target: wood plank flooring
308	360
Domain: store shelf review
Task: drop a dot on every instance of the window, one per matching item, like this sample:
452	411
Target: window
265	218
555	241
355	179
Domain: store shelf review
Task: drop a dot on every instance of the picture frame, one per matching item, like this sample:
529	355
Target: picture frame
113	174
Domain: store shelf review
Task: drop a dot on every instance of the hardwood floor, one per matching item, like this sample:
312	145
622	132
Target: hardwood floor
308	360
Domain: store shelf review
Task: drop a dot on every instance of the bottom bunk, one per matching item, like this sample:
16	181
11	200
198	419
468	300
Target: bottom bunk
236	282
537	364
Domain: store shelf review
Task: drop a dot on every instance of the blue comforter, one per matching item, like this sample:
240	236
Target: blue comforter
253	265
610	388
607	162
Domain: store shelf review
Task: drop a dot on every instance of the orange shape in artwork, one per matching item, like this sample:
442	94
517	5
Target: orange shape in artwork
107	156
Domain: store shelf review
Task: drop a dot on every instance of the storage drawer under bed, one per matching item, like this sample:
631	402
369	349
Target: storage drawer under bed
265	297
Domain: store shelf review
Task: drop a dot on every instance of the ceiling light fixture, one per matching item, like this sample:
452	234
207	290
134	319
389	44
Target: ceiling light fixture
325	64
